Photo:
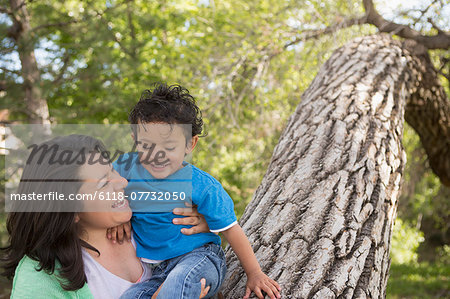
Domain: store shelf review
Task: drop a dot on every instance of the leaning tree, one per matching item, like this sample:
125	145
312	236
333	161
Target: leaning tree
321	221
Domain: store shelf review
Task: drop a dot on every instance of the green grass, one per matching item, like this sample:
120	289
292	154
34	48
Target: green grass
408	281
414	281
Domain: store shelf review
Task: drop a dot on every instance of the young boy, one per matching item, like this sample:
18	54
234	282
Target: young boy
166	124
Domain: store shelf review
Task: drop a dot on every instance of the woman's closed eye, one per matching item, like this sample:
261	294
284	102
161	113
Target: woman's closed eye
102	183
170	149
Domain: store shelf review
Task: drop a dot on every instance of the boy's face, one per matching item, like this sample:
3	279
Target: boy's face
163	147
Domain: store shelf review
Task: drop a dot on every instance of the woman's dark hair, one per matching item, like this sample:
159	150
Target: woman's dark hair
48	237
169	104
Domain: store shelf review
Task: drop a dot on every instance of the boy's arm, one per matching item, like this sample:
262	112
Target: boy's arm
257	281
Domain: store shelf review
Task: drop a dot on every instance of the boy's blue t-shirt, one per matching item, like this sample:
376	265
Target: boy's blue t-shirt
152	201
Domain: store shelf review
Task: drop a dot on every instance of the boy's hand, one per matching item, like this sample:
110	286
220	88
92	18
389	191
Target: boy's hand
117	233
258	282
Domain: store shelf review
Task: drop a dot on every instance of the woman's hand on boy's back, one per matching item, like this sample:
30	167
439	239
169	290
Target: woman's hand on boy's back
192	217
258	282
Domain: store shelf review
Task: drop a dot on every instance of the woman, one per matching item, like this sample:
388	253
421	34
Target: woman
63	251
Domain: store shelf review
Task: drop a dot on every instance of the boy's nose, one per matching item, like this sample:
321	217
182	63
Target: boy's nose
152	151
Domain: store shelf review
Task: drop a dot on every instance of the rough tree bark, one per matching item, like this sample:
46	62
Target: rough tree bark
21	33
321	221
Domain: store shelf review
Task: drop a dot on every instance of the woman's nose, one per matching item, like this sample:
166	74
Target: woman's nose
119	181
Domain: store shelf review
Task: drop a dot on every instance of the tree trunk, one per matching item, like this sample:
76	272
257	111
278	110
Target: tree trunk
321	221
20	31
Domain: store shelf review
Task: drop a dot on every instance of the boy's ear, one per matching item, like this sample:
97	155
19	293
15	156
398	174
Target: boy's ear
190	147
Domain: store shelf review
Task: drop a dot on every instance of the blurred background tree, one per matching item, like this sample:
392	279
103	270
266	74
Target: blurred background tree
247	64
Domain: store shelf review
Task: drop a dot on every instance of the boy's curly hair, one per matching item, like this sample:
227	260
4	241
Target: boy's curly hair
169	104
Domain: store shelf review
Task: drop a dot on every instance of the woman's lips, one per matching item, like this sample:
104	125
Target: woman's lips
120	204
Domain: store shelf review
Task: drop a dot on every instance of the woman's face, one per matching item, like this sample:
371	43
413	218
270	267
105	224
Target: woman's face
106	186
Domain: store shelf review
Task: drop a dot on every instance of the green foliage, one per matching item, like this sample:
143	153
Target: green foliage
231	55
423	203
418	281
404	243
424	200
443	254
238	58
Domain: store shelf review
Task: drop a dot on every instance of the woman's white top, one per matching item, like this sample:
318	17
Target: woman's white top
103	284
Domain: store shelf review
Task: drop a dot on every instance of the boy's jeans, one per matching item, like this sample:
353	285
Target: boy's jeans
181	275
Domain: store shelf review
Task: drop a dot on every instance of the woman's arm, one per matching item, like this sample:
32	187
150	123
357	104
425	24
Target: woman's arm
30	283
192	217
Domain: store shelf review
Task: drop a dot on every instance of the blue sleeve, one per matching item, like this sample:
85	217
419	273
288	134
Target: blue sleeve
217	207
119	165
